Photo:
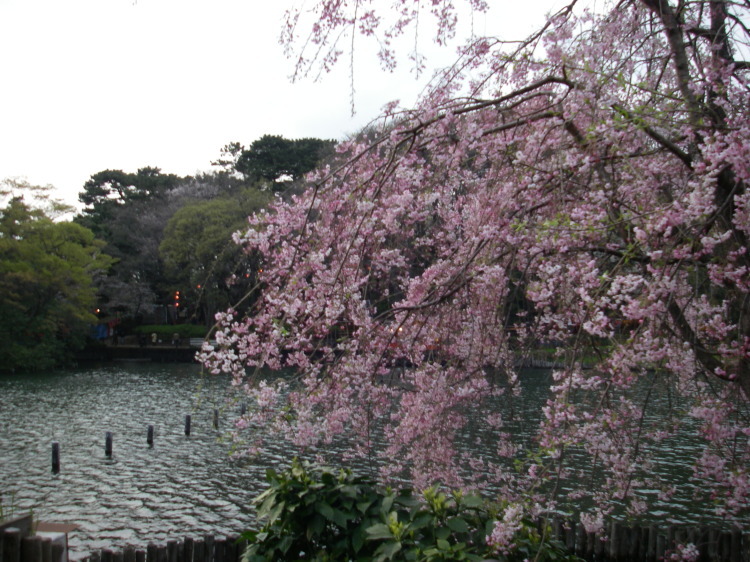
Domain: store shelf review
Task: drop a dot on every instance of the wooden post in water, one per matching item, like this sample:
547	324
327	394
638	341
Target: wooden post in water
150	436
243	408
108	445
55	457
216	418
187	425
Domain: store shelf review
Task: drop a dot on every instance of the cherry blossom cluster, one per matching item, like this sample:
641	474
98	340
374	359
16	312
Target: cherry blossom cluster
582	191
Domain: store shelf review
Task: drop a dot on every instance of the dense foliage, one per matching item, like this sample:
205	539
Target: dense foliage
199	255
165	332
272	158
169	233
583	189
47	290
314	513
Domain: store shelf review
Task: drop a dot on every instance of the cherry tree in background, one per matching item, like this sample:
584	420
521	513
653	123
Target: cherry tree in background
583	189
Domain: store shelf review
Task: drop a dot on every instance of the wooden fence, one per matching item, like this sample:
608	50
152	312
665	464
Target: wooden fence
624	544
652	543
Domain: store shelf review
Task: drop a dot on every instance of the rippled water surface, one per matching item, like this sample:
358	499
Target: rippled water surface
180	486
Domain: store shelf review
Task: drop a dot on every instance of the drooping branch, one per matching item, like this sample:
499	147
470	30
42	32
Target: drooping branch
678	53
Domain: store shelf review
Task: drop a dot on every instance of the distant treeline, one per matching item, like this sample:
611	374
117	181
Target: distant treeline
148	247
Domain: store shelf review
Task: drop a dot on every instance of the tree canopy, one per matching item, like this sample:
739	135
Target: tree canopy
272	158
47	293
105	191
199	256
599	168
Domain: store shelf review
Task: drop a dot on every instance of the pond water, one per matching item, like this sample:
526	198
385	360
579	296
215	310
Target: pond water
183	485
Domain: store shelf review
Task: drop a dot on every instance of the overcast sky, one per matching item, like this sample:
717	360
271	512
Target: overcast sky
89	85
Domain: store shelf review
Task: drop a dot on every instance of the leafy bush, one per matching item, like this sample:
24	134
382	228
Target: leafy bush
165	331
315	513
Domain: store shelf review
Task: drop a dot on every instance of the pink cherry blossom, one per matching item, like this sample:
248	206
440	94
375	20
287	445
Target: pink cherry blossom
582	190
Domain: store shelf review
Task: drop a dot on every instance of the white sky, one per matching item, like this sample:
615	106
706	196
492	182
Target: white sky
89	85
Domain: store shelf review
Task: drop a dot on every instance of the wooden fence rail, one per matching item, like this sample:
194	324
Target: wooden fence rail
624	544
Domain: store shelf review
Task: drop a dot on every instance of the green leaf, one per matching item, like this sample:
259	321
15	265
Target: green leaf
315	527
358	539
385	507
457	525
388	550
379	531
443	544
285	543
472	502
363	506
442	533
340	518
325	510
276	512
421	521
268	502
249	536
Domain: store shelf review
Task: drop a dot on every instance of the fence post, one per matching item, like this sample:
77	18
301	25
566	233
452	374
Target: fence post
736	552
173	551
661	545
653	532
600	544
634	543
152	553
208	540
220	549
31	549
58	552
11	545
614	540
128	555
188	549
231	549
199	551
47	550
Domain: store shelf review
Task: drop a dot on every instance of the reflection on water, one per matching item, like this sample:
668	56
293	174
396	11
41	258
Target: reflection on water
183	486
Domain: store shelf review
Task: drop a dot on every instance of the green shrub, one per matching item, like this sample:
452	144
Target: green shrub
165	331
314	513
